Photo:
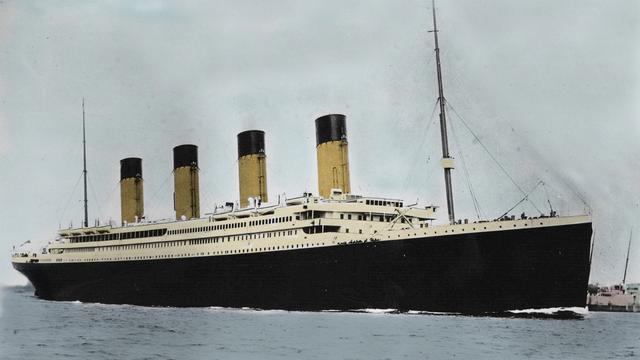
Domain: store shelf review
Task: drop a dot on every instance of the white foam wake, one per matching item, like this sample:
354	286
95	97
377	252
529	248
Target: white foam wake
551	311
376	311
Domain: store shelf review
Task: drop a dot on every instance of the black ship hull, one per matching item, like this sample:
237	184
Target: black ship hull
471	273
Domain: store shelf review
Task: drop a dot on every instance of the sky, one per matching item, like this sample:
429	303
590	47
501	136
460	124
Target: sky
549	89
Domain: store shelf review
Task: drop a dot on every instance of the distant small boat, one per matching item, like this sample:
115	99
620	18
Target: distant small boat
620	297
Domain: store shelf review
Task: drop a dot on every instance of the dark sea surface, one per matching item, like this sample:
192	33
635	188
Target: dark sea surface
36	329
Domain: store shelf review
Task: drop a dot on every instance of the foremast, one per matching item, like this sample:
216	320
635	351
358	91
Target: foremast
447	161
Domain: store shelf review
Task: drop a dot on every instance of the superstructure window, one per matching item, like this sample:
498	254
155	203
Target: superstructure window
318	229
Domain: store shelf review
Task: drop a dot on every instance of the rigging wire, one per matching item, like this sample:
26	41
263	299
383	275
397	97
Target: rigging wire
577	193
526	197
428	64
64	210
544	186
493	157
424	139
467	177
93	192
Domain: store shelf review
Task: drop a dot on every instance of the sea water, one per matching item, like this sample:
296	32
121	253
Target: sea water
31	328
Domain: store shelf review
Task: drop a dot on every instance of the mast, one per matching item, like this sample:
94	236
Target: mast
626	265
447	162
84	171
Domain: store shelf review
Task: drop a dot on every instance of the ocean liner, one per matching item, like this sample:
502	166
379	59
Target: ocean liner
331	251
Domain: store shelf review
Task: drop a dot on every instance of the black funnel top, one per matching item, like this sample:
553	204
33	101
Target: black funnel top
185	155
331	127
130	168
250	142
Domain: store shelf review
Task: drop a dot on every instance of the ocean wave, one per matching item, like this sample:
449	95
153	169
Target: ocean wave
243	309
559	313
420	312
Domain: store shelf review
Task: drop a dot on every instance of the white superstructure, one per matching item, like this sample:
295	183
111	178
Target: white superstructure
302	222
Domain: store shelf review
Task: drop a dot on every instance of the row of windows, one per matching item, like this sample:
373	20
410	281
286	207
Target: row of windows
183	242
318	229
142	234
119	236
380	218
77	250
312	214
263	235
384	203
208	228
226	252
143	246
232	225
271	221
